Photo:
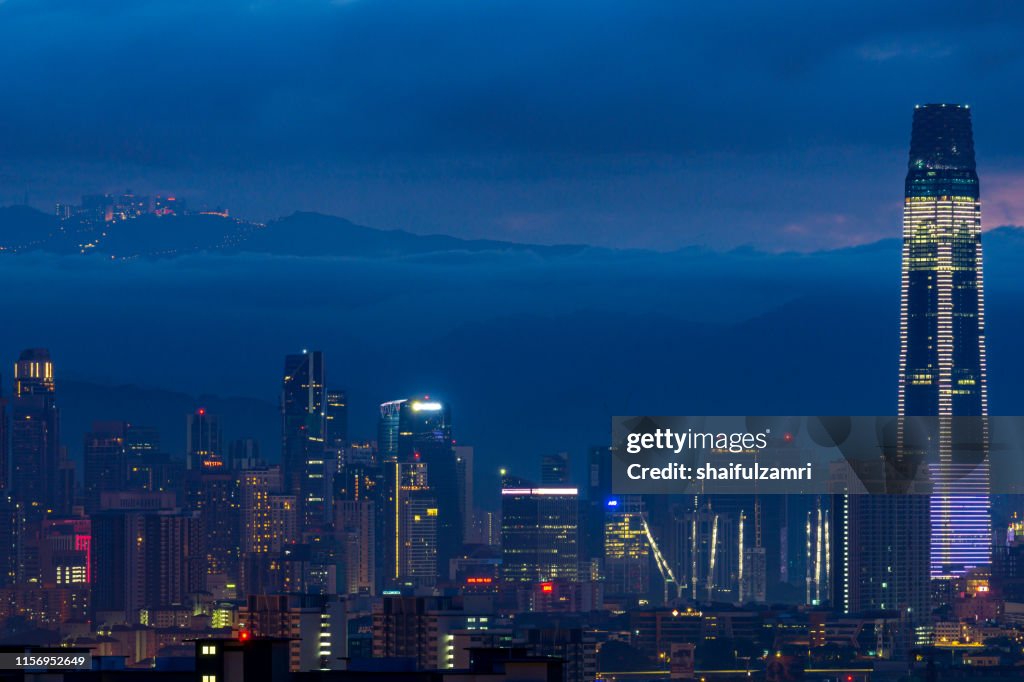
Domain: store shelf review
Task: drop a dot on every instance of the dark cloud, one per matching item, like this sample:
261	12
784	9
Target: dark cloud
624	123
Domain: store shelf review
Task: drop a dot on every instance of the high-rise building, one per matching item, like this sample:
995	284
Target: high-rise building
411	549
357	515
387	429
464	456
204	440
942	325
355	530
888	546
147	467
244	453
554	469
336	418
260	531
425	437
215	496
307	475
143	558
105	461
539	534
626	550
35	432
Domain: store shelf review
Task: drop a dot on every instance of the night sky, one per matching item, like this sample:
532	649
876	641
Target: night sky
627	124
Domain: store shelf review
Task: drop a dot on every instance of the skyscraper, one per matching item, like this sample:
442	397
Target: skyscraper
105	461
411	551
425	437
35	429
143	558
387	429
539	533
203	436
888	546
942	324
335	430
303	431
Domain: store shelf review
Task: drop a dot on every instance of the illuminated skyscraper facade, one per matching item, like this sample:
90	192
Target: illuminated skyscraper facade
412	526
425	437
387	429
539	534
303	454
35	432
942	325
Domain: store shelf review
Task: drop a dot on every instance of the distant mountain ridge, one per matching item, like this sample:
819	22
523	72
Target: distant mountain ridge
25	229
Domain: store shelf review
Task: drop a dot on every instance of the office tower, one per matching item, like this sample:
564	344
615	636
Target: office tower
410	552
303	428
599	491
554	469
942	325
335	437
539	534
754	571
387	429
425	436
464	483
887	546
105	461
626	550
65	486
204	441
35	431
146	466
336	419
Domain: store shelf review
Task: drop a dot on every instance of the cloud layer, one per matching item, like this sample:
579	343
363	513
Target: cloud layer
617	123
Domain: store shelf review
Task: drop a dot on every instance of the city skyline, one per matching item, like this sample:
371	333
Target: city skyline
322	320
219	542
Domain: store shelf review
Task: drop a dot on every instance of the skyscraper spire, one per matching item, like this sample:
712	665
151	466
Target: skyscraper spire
942	324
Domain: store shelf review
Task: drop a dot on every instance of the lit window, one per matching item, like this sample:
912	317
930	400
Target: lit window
209	650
